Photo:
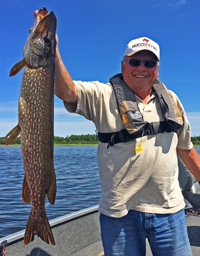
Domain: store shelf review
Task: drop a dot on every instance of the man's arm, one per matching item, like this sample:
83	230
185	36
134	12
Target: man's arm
191	160
65	88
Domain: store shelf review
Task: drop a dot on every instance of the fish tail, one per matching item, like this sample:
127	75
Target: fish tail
39	226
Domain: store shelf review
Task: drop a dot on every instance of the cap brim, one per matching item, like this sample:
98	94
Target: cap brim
132	53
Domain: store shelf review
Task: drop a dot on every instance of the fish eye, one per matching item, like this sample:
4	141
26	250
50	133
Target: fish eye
46	39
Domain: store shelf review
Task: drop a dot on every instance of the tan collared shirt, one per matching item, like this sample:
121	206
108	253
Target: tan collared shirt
145	181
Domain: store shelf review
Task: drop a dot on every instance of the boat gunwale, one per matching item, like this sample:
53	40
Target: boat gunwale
54	222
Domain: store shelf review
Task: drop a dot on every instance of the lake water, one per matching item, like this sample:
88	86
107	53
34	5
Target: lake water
78	185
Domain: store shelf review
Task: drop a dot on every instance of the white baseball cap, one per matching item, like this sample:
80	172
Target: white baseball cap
142	43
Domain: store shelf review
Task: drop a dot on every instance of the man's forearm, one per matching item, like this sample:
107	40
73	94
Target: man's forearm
191	160
65	88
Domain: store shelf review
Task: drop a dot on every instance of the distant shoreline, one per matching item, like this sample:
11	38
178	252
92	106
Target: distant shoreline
56	145
59	145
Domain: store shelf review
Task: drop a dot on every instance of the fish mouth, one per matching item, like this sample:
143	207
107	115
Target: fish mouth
44	31
42	12
44	23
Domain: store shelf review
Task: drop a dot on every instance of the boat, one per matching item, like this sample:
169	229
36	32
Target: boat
78	234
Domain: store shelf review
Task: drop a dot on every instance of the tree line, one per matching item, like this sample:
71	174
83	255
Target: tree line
77	139
72	139
83	139
195	140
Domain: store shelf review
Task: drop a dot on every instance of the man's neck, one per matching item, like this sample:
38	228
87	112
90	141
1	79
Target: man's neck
144	96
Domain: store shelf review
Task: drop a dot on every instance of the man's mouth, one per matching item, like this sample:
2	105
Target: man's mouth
140	76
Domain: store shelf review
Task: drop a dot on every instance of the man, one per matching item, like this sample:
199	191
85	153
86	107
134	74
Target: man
140	194
142	126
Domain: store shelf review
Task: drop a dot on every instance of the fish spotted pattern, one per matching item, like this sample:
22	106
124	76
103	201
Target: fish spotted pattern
35	114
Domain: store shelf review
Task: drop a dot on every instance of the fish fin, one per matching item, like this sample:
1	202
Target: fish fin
12	135
51	192
26	193
17	67
41	227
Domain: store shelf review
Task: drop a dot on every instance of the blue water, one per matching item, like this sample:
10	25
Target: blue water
78	185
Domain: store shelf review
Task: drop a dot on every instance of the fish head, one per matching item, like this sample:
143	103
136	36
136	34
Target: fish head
39	50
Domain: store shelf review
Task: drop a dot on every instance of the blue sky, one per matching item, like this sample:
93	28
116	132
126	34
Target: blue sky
92	38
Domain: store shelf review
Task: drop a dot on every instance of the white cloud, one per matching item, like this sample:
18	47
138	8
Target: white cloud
66	125
60	111
194	119
8	109
9	106
63	129
13	107
181	2
177	3
193	115
7	125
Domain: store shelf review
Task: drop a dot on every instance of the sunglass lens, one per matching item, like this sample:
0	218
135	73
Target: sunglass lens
134	62
147	63
150	63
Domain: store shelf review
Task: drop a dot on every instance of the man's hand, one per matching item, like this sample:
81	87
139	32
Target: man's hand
64	87
57	50
35	14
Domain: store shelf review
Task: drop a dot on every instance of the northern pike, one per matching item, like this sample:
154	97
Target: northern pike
35	123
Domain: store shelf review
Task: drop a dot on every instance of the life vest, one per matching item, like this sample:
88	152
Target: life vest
133	121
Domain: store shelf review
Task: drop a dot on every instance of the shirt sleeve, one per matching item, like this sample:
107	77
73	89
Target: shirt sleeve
91	98
97	103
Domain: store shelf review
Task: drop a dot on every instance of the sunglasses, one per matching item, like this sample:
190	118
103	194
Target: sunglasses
147	63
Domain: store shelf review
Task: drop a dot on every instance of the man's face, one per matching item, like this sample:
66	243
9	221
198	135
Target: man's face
140	78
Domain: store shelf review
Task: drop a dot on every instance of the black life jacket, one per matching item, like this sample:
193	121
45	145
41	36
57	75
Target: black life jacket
135	126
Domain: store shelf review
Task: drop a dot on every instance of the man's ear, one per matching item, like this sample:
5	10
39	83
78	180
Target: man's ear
122	66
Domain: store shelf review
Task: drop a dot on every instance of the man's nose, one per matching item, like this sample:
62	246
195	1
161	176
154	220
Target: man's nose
141	66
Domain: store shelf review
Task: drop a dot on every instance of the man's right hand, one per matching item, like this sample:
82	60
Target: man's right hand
57	50
64	86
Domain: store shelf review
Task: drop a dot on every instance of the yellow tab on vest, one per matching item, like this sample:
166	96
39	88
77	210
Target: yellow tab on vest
139	149
125	118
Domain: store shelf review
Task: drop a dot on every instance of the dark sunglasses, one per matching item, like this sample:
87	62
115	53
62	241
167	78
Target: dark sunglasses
147	63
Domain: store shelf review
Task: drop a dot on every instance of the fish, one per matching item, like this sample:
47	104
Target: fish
36	123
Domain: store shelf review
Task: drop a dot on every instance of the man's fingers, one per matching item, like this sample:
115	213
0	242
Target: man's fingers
36	12
56	39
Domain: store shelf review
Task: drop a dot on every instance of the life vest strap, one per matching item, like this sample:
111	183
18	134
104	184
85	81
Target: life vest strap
113	138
